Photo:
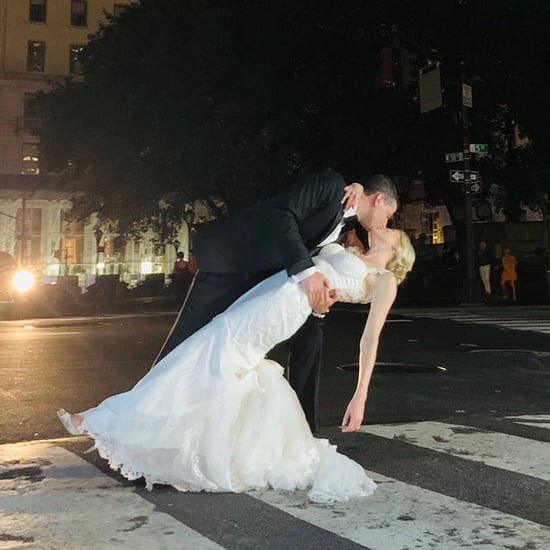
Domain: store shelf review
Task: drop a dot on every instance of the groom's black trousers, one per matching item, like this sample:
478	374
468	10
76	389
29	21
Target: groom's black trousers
212	293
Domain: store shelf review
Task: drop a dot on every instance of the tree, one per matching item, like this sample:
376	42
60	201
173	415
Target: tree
231	99
202	98
503	47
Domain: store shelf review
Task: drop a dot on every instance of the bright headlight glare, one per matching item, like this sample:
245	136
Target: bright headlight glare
23	281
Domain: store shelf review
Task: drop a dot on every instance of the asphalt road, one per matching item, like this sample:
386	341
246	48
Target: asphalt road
469	436
76	362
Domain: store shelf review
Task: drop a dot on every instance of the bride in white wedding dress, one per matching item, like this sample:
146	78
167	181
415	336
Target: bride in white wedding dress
215	415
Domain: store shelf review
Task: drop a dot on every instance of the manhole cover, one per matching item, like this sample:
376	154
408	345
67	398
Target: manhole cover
397	367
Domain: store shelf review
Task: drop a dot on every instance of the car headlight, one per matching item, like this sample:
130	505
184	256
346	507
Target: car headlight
23	280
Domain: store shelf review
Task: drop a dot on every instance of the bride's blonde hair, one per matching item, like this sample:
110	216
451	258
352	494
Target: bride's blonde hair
403	259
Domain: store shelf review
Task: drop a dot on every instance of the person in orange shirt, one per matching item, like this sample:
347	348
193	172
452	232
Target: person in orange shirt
509	275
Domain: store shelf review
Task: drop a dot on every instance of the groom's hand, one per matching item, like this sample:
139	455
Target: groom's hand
316	287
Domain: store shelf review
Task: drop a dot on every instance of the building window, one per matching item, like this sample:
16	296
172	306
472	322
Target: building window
30	161
79	13
75	59
37	11
36	55
118	9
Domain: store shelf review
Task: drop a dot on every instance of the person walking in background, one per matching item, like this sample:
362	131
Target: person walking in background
180	265
509	275
484	266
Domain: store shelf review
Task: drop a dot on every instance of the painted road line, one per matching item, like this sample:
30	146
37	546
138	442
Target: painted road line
536	420
55	499
399	515
538	324
507	452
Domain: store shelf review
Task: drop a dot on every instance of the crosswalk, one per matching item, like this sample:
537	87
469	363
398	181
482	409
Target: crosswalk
536	319
441	485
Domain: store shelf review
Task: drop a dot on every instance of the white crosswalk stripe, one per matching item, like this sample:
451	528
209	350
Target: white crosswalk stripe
537	420
76	496
508	452
521	319
400	515
76	506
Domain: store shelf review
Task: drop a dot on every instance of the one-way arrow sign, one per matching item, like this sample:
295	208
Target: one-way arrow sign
461	175
471	188
475	188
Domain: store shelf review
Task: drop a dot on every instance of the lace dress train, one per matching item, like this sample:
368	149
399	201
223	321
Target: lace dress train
215	415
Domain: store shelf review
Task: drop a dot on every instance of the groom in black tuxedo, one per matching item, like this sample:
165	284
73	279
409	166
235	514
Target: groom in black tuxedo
282	232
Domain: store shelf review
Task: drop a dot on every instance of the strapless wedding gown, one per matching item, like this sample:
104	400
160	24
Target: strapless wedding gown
215	415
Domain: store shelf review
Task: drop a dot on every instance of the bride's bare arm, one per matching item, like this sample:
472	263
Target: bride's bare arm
383	296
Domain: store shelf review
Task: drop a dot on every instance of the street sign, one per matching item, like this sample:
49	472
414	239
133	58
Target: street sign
460	176
454	157
456	175
471	188
479	148
466	95
429	84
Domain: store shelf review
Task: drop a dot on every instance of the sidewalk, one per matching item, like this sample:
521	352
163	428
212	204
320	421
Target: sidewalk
130	305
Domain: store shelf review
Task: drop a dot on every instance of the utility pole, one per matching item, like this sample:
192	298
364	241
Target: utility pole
23	235
471	293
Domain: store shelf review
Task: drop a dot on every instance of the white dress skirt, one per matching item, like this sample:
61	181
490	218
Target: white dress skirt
215	415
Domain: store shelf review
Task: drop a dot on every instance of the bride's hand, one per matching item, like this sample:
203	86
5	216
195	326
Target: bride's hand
352	194
354	414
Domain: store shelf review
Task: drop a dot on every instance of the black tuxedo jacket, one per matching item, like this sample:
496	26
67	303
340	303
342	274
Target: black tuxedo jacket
278	233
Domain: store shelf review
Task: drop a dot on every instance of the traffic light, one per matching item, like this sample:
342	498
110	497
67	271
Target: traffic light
398	67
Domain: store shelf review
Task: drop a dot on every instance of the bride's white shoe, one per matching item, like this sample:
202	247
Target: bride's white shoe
65	419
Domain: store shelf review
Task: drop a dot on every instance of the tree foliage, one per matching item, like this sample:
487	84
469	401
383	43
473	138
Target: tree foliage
502	46
231	98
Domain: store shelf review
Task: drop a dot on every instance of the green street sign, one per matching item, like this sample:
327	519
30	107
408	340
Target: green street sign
479	148
454	157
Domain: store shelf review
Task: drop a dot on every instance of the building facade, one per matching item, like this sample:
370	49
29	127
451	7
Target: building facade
40	43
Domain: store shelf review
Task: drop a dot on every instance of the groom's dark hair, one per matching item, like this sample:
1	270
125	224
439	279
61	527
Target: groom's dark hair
380	183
